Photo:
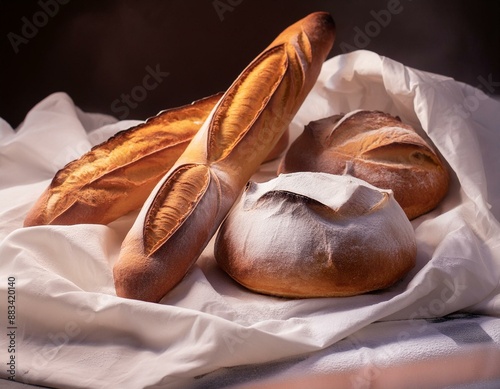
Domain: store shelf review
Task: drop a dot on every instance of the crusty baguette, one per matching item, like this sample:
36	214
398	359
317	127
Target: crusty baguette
187	206
378	148
117	176
315	235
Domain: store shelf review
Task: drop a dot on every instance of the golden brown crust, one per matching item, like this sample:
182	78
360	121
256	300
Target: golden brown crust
377	148
173	203
116	176
306	234
232	114
244	127
144	277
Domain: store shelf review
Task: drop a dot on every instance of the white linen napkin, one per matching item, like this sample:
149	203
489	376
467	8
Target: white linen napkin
72	331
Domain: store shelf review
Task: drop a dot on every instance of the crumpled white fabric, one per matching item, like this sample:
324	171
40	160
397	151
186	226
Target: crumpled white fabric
73	332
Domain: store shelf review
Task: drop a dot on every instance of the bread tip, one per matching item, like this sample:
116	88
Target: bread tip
325	18
320	30
321	20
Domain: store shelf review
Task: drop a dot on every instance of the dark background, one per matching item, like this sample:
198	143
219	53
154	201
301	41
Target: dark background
99	51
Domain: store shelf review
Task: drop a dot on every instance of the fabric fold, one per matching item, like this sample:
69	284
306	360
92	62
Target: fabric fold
73	332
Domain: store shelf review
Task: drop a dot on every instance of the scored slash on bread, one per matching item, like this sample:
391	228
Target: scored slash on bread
378	148
243	128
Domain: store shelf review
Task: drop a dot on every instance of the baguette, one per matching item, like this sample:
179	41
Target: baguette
187	206
117	176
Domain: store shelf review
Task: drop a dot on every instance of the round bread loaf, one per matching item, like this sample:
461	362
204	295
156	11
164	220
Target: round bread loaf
375	147
315	235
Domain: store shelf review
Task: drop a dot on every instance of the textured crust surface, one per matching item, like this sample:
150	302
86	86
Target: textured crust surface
375	147
316	235
117	176
250	93
177	197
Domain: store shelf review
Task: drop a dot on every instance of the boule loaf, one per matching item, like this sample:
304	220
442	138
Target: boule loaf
307	234
378	148
187	206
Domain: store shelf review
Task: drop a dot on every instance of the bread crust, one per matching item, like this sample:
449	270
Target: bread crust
375	147
305	235
116	176
243	128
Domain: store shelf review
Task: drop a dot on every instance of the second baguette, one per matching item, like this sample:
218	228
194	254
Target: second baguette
116	176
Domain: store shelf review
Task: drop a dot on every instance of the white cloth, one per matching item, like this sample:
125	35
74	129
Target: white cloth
459	351
73	332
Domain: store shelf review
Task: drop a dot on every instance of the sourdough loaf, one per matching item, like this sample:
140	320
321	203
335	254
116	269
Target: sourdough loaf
378	148
311	234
